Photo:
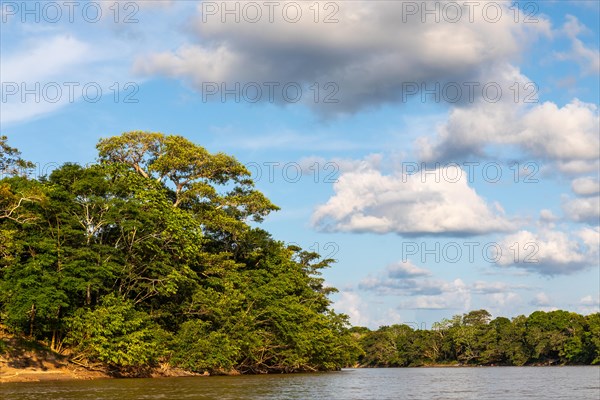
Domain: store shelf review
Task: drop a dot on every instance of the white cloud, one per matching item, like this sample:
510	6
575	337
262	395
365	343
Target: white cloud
483	287
589	304
550	252
540	300
339	164
406	269
591	238
401	279
366	200
502	304
576	167
40	64
370	52
547	216
455	295
538	130
496	297
387	285
80	51
587	58
544	127
152	3
586	186
45	60
585	209
351	304
418	291
61	69
505	299
363	312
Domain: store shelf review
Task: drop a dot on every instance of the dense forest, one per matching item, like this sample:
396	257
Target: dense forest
543	338
148	257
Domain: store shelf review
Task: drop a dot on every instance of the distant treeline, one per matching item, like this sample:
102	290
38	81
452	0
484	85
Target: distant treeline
543	338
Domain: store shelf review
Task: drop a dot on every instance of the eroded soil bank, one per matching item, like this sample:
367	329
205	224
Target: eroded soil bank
23	360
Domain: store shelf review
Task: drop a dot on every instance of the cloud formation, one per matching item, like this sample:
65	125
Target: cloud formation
366	200
37	65
418	290
584	209
589	304
406	269
586	186
550	252
369	53
539	131
588	58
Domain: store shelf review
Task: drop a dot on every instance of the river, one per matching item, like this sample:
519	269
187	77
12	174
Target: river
565	383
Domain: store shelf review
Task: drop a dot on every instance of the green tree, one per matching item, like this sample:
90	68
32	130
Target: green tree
116	334
556	337
192	173
592	338
11	163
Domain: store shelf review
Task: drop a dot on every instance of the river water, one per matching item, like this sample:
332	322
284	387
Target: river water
566	383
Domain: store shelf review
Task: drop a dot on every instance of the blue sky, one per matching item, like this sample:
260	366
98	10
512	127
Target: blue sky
514	171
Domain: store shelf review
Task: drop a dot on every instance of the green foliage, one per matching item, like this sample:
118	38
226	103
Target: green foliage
270	311
147	257
116	334
11	162
194	175
592	338
198	348
557	337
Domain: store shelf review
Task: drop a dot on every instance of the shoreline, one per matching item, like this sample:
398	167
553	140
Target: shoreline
31	375
71	373
23	361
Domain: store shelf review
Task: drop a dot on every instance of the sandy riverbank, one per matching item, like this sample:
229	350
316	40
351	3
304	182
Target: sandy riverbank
8	374
28	361
23	360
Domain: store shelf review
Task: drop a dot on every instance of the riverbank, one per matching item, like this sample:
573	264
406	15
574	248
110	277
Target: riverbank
23	360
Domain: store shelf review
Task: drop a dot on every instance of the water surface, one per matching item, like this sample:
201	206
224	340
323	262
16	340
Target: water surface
565	383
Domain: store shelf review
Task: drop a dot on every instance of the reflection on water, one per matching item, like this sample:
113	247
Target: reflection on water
571	383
